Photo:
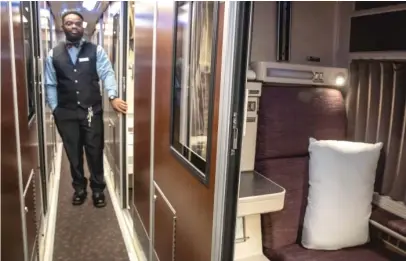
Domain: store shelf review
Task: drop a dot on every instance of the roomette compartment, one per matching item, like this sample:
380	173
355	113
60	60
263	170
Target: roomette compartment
286	105
280	99
298	102
298	87
291	59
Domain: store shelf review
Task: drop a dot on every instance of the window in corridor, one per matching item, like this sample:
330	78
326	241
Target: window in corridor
25	8
193	82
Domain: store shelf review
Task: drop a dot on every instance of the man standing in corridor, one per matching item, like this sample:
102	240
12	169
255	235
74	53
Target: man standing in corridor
72	72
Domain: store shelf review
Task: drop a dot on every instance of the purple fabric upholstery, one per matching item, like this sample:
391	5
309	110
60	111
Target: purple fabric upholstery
366	253
289	115
281	228
398	226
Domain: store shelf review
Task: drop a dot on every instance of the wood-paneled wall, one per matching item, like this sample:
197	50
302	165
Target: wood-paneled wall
143	38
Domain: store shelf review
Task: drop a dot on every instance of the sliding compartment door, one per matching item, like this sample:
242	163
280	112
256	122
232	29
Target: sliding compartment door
186	87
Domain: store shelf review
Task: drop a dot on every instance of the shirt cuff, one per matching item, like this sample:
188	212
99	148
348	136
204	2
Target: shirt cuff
112	93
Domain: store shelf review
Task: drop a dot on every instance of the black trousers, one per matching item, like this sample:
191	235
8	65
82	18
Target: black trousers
76	134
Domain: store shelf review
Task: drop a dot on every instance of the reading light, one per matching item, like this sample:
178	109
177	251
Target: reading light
89	4
340	80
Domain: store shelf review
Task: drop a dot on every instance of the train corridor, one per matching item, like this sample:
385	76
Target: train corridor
84	232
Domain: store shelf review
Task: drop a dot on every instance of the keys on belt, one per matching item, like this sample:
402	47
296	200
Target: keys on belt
89	115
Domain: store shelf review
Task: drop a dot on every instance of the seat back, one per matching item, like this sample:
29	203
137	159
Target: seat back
287	117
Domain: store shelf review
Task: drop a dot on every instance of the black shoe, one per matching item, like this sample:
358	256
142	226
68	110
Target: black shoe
79	197
99	200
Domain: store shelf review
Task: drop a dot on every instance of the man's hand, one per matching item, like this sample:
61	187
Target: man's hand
119	105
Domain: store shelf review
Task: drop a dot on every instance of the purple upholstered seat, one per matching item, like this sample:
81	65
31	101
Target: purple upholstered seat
287	117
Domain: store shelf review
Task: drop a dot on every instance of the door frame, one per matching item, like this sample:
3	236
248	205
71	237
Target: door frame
122	88
39	101
236	39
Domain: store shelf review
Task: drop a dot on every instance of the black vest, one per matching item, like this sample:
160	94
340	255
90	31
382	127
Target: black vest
78	84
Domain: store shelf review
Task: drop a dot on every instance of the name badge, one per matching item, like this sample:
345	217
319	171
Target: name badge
85	59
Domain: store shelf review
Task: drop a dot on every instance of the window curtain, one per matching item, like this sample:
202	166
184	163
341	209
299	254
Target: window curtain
376	112
200	62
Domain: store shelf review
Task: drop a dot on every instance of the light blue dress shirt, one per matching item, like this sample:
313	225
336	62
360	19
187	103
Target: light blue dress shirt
104	70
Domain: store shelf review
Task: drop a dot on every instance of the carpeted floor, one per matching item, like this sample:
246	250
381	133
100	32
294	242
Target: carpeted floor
85	233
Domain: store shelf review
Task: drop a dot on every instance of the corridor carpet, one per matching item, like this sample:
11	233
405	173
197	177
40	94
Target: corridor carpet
85	233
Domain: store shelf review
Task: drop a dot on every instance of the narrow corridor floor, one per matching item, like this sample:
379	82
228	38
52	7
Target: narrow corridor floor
85	233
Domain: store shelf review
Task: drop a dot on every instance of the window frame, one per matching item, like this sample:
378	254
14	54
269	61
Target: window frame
198	167
28	72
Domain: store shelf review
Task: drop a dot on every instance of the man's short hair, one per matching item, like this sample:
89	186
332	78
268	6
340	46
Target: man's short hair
68	12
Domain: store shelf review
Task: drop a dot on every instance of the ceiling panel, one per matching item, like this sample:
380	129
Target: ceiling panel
90	17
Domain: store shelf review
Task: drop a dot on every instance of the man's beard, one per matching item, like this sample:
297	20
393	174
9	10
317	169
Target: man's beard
73	38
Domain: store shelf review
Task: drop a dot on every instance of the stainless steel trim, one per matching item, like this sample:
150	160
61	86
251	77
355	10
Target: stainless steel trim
224	128
245	108
41	87
244	237
32	120
278	33
251	24
28	182
124	79
389	231
164	198
17	131
247	92
122	117
111	122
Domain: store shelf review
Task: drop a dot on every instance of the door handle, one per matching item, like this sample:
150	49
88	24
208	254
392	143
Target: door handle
245	111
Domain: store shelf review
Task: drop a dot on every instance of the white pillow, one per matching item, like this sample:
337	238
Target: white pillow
341	179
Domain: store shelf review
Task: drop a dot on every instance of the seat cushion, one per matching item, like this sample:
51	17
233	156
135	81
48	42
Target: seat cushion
364	253
281	228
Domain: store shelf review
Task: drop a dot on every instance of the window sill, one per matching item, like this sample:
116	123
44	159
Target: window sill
395	207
